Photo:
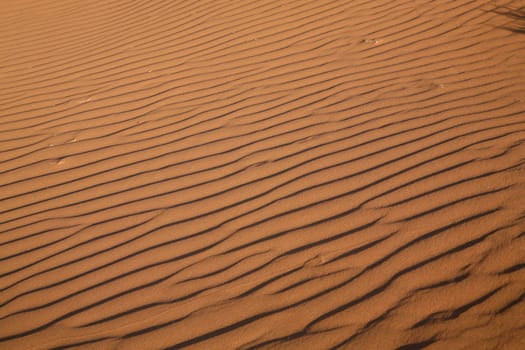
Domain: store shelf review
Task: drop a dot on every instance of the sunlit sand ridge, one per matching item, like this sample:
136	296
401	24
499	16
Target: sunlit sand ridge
237	174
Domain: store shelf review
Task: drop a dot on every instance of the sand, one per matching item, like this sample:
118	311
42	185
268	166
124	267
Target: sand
237	174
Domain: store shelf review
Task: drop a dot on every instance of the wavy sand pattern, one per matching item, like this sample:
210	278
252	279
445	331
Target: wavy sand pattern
237	174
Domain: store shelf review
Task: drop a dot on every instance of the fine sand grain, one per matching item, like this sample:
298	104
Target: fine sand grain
241	174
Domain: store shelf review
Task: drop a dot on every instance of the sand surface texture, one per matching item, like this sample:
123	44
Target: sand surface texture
241	174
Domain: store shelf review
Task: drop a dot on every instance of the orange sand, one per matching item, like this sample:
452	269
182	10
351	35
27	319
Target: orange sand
234	174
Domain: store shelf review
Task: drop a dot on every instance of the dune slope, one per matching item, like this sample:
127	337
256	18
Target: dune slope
236	174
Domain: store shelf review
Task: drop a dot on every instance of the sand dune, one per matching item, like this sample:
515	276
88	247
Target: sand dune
262	174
